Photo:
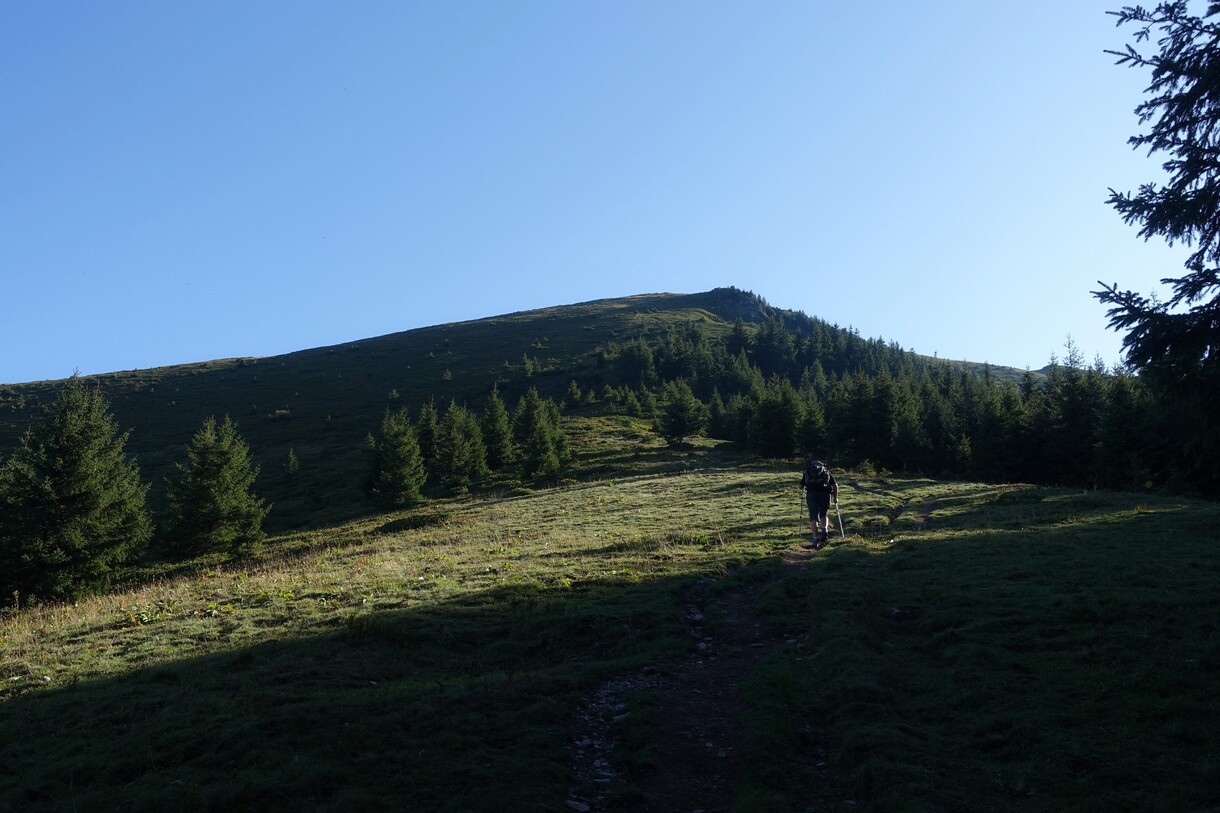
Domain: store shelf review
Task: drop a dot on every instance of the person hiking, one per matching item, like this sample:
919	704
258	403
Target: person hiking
820	488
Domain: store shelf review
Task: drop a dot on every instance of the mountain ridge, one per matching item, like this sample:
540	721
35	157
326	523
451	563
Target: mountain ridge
320	404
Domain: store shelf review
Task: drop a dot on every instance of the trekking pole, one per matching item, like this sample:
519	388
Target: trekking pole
840	516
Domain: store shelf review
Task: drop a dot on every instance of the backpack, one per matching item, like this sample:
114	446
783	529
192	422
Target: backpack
817	476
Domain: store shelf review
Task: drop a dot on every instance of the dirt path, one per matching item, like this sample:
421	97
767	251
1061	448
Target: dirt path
922	509
693	758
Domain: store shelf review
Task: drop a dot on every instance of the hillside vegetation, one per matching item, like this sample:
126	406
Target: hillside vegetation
995	631
322	403
307	415
965	647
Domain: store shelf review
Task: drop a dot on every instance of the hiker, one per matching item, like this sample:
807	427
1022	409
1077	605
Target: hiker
820	487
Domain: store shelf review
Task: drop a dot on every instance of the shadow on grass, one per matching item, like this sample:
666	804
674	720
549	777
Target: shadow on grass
1068	660
463	706
1068	664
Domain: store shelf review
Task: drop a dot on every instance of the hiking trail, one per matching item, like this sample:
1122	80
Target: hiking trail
692	762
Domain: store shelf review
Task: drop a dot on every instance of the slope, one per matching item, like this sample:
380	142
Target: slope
966	647
321	403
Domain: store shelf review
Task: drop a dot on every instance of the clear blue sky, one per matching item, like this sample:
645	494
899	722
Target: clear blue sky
188	181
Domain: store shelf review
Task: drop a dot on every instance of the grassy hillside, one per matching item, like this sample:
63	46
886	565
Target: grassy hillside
322	403
966	647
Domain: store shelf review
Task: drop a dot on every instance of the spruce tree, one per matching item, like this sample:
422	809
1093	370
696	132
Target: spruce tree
631	404
682	414
526	415
398	467
426	427
538	456
717	417
574	396
1126	431
73	505
212	506
544	447
774	349
635	365
1179	337
737	414
1174	342
461	457
811	431
772	428
649	409
740	340
497	432
559	439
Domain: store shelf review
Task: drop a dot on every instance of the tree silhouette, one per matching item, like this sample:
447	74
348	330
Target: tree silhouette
461	457
398	466
682	414
497	432
1177	341
72	507
212	505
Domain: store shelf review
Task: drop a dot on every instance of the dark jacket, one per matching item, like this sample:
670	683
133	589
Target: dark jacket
831	486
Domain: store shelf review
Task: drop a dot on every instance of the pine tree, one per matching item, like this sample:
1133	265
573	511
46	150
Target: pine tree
572	399
461	457
538	455
682	414
1175	343
811	431
631	404
426	428
497	432
212	506
525	415
717	417
740	340
737	414
559	438
649	408
1074	400
635	365
544	447
774	350
398	474
1125	430
73	505
772	428
908	444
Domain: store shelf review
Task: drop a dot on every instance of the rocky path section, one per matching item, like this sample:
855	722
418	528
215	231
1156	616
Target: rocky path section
693	762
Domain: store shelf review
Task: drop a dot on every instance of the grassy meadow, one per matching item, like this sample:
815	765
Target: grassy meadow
965	647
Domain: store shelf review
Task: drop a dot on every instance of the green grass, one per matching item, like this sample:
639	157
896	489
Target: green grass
428	662
322	403
1030	649
968	647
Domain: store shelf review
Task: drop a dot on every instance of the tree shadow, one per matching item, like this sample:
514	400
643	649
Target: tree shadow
1065	661
463	705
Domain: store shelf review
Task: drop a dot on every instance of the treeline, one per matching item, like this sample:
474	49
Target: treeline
73	508
448	453
74	511
795	385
